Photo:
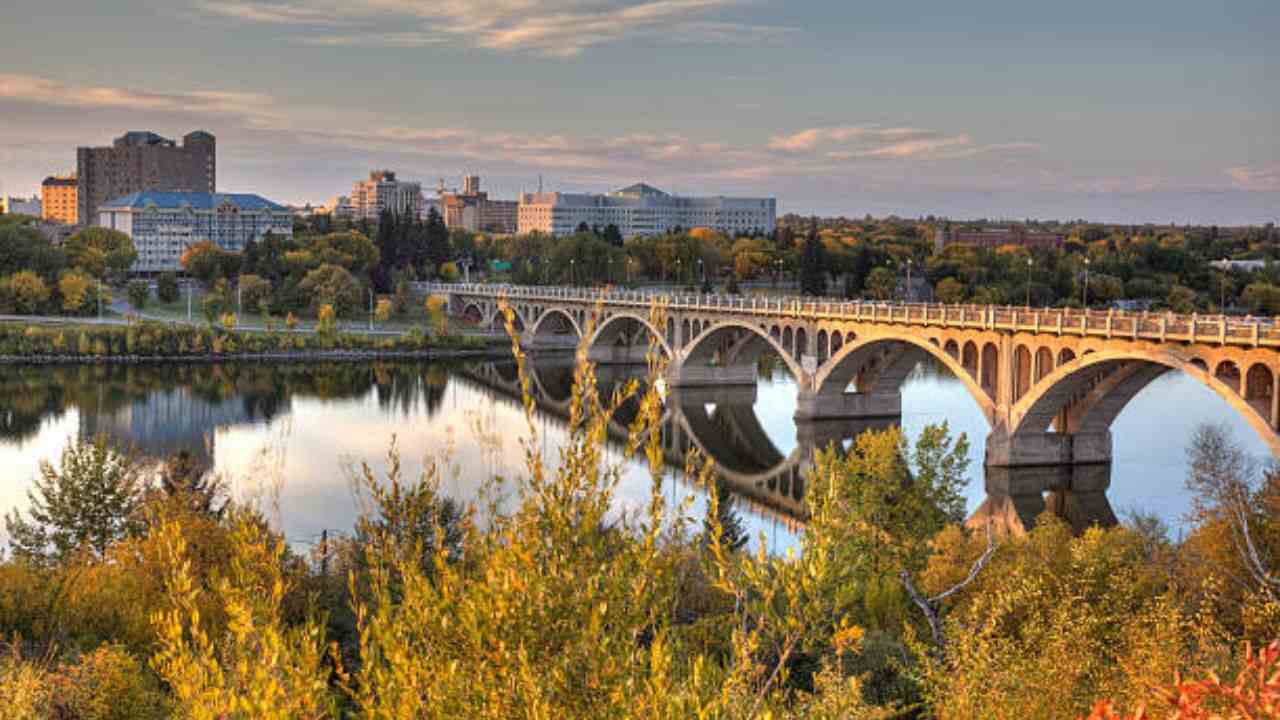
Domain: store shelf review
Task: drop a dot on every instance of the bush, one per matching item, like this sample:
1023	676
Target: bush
331	285
167	287
28	291
254	291
139	293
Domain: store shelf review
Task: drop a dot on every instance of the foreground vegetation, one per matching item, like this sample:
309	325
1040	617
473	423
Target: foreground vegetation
139	591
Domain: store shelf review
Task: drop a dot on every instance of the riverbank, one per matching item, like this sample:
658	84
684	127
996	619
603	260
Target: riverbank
153	342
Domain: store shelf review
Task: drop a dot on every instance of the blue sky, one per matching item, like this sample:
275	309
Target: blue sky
1129	111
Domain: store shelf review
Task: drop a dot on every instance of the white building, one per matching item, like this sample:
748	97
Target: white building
164	224
644	210
21	206
382	191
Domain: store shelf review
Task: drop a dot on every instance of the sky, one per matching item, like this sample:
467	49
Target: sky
1135	111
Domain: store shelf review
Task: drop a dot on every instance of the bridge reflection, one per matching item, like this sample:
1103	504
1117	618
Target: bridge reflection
721	423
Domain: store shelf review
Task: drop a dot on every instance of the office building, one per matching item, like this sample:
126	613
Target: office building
472	209
20	206
644	210
382	191
164	224
58	199
138	161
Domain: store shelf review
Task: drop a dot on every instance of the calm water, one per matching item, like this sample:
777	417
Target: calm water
287	436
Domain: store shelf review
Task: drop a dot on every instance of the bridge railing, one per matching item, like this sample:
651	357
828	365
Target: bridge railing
1166	326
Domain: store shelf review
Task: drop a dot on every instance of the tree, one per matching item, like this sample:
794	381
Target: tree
612	235
950	291
167	287
139	292
77	291
185	481
449	272
89	502
331	285
383	311
28	291
733	534
439	250
881	283
100	251
254	291
203	261
813	264
1262	298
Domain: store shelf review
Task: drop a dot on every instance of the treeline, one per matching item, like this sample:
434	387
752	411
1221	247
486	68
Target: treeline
154	339
139	590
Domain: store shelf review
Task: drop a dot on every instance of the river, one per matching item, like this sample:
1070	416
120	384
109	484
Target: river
288	437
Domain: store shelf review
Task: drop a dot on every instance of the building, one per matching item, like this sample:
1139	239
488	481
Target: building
382	191
140	160
164	224
20	206
644	210
472	209
995	237
58	199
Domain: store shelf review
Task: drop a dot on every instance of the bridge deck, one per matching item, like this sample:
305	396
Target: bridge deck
1159	327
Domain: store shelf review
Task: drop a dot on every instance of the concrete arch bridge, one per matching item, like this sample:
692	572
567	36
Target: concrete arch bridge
1049	381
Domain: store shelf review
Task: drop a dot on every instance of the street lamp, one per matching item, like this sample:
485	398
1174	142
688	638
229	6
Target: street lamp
1222	307
1084	295
908	280
188	302
1029	264
679	273
573	280
702	271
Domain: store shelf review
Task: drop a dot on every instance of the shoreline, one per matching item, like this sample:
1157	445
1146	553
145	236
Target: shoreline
316	355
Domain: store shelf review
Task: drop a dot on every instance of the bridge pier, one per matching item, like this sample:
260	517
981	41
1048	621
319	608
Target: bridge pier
817	406
1046	448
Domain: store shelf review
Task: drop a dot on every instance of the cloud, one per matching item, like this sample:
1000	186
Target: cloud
256	108
1256	179
853	142
553	28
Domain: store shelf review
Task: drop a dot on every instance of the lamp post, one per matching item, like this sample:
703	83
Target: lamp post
679	273
188	302
1222	307
1084	295
370	309
908	280
1029	264
99	300
573	280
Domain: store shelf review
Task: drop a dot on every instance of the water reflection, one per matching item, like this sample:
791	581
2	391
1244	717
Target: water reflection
348	411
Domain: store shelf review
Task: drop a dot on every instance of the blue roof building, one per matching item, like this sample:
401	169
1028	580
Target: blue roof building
164	224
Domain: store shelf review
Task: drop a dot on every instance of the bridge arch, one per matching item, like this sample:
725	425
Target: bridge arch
742	343
554	321
846	366
1101	382
613	329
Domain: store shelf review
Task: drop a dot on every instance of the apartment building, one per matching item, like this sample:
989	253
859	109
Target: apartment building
58	199
472	209
382	191
140	161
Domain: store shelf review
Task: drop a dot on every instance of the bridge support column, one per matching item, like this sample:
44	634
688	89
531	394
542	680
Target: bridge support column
817	406
1029	449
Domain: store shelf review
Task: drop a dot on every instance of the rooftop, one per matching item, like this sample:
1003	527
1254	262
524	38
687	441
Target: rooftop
194	200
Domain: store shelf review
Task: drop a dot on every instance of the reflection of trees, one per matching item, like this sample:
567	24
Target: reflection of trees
33	395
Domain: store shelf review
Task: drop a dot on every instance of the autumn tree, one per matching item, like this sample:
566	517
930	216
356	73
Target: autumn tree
332	285
90	501
100	251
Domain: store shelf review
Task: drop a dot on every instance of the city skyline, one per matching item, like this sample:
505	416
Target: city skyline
1167	113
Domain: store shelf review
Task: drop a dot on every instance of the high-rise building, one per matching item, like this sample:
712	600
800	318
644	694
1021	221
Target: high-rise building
382	191
164	224
58	199
139	161
472	209
644	210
